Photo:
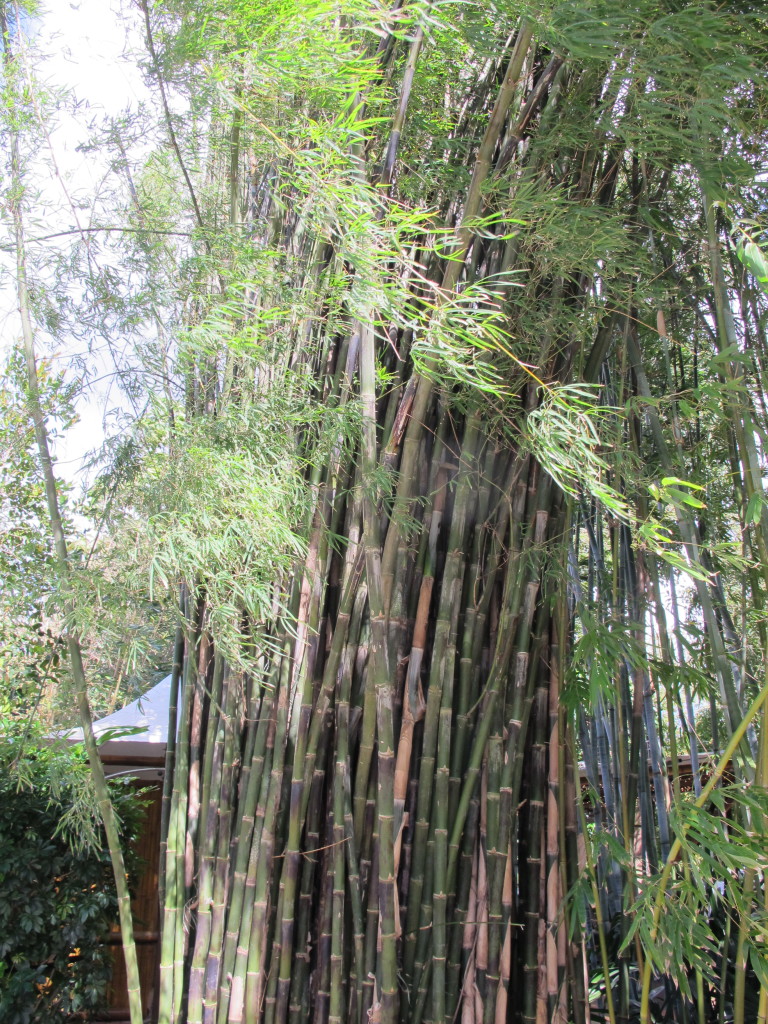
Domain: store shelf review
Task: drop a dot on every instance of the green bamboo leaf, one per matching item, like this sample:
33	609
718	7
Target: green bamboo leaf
751	255
678	497
754	508
667	480
759	961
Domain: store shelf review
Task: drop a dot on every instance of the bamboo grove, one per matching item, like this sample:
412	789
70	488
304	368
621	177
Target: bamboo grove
451	465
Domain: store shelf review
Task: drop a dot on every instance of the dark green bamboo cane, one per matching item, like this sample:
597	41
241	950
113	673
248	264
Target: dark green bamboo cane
556	883
443	658
322	979
438	707
461	941
474	621
416	704
308	931
371	996
422	397
348	849
502	656
299	728
170	753
171	958
339	838
243	876
356	906
536	786
211	796
380	679
226	816
251	960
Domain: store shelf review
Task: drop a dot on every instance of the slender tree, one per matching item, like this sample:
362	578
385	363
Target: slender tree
12	80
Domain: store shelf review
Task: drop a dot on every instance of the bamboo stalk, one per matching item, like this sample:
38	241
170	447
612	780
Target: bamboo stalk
450	278
171	958
340	838
240	909
442	674
289	879
557	1008
464	916
535	804
378	668
474	622
371	1004
210	799
170	753
322	978
601	931
226	811
250	963
313	864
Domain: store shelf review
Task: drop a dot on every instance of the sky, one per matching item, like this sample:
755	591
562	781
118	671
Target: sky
88	47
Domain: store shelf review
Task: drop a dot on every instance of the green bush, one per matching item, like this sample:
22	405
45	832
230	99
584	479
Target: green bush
57	896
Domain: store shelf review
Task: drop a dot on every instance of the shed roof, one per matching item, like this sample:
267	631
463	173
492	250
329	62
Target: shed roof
148	714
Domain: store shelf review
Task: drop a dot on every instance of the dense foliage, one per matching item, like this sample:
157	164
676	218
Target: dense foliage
57	899
444	328
30	652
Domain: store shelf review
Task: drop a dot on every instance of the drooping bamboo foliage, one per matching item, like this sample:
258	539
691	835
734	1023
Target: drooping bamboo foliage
464	306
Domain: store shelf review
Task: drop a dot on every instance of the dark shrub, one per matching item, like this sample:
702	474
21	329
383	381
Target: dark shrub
57	897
